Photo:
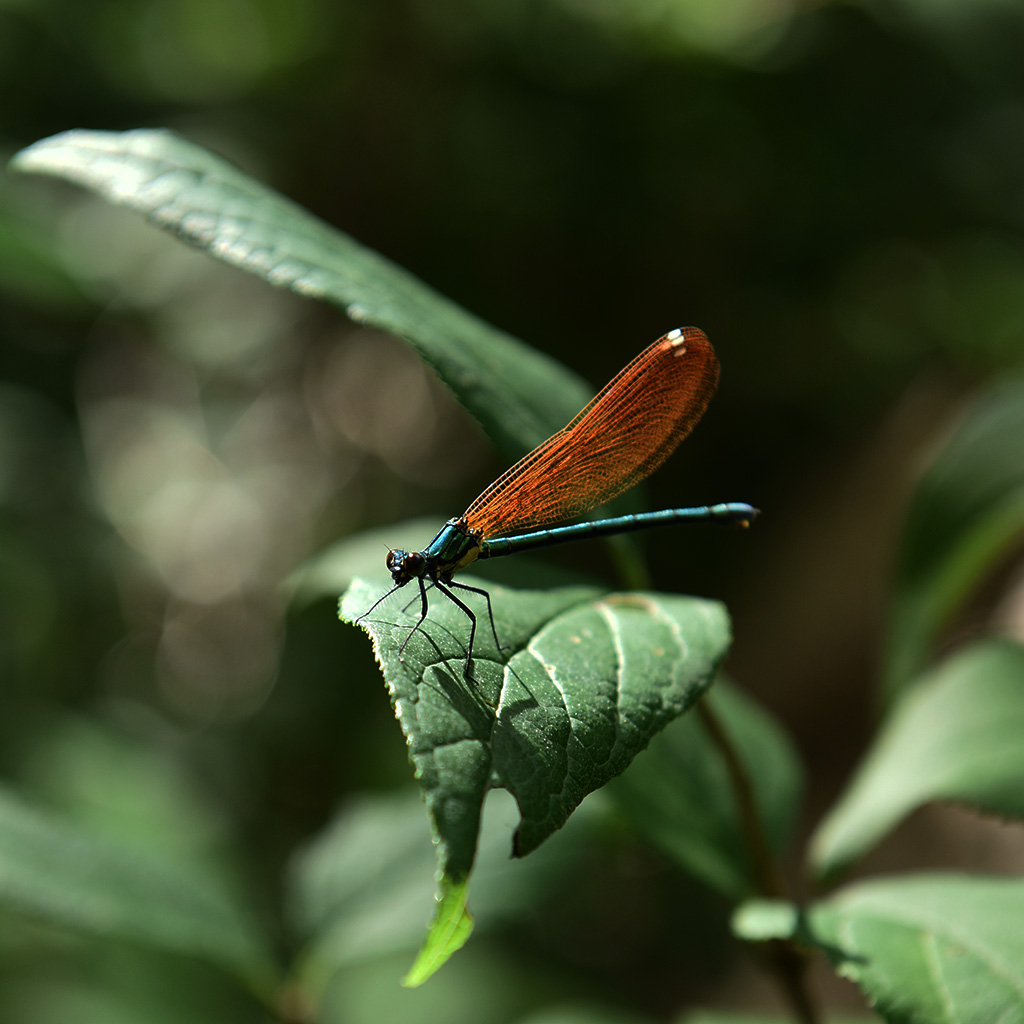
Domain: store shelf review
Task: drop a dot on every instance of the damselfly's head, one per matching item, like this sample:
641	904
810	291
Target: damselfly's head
405	566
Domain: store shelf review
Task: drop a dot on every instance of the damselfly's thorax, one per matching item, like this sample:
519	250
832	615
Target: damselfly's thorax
454	547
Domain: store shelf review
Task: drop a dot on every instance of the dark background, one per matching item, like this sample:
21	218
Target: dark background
832	191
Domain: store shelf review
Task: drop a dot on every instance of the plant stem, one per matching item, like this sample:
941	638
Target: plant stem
786	960
767	875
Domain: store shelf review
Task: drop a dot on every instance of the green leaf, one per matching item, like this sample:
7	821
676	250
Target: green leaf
330	571
761	920
120	788
958	734
709	1017
967	512
448	932
56	873
361	888
678	795
518	395
583	683
584	1012
947	949
28	268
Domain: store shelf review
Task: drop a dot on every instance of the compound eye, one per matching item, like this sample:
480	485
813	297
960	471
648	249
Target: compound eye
405	565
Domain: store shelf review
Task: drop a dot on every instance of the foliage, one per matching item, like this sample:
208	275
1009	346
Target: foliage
171	835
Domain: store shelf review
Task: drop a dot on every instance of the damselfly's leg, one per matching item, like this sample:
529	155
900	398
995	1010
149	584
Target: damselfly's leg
465	607
490	613
423	615
412	600
375	603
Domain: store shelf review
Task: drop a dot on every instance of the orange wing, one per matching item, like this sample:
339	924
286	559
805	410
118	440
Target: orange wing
623	435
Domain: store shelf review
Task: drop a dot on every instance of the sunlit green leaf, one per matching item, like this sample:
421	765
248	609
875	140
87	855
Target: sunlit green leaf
967	510
679	795
447	934
518	395
56	873
958	734
584	682
934	949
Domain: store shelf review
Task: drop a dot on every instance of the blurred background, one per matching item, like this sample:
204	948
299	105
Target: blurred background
831	190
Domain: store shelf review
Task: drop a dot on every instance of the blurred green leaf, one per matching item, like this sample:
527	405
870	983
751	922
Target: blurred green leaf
47	978
56	873
710	1017
678	794
330	571
484	974
362	887
760	920
120	788
584	1013
967	511
518	395
958	734
932	949
28	268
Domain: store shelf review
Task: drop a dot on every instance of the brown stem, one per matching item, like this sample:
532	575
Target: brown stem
786	960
